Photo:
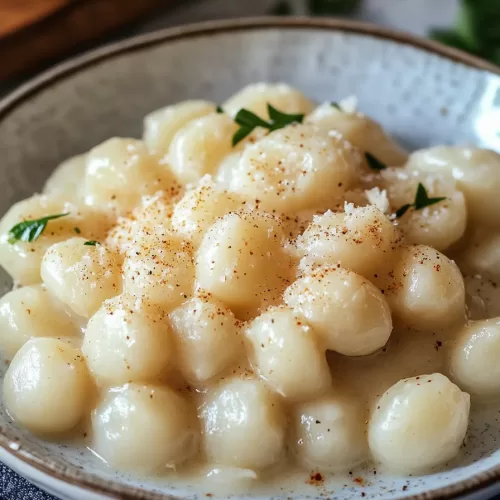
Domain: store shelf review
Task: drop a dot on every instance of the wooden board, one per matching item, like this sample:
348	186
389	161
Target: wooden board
17	14
36	32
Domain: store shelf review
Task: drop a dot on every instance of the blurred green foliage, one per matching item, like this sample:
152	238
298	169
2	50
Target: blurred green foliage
332	7
318	7
282	8
476	29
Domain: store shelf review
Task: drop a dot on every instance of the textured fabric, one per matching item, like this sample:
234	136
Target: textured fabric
14	487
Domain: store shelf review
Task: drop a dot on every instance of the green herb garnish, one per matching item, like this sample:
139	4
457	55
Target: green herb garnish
91	243
402	210
280	120
374	163
335	105
77	230
30	230
219	109
422	200
248	121
282	8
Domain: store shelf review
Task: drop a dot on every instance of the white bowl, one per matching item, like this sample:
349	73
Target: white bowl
422	92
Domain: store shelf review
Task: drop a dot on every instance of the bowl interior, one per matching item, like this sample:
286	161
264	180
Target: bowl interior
419	96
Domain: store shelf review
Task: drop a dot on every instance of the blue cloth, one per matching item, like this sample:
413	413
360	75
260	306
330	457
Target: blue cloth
14	487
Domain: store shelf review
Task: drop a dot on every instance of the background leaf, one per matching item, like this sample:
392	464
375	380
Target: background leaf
332	7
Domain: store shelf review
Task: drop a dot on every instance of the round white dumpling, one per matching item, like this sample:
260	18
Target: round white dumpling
119	171
475	358
30	312
47	387
329	434
425	289
144	428
244	425
359	130
257	96
241	260
22	259
128	339
483	297
227	480
154	211
198	209
419	423
438	225
161	125
294	225
296	168
281	344
475	305
66	180
159	267
476	171
348	311
208	338
80	275
482	255
226	169
362	239
199	147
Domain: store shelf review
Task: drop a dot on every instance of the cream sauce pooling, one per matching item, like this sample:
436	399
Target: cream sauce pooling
223	274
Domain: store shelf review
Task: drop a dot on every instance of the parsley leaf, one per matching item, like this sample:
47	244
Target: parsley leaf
280	120
402	210
248	121
31	230
335	105
219	109
374	163
91	243
246	118
240	134
422	200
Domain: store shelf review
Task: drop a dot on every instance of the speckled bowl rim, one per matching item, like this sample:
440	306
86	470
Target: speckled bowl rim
114	489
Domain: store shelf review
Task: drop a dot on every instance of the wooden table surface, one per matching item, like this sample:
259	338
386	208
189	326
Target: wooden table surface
15	14
36	32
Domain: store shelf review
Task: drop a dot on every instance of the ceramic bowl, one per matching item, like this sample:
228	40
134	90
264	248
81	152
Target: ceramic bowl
423	93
